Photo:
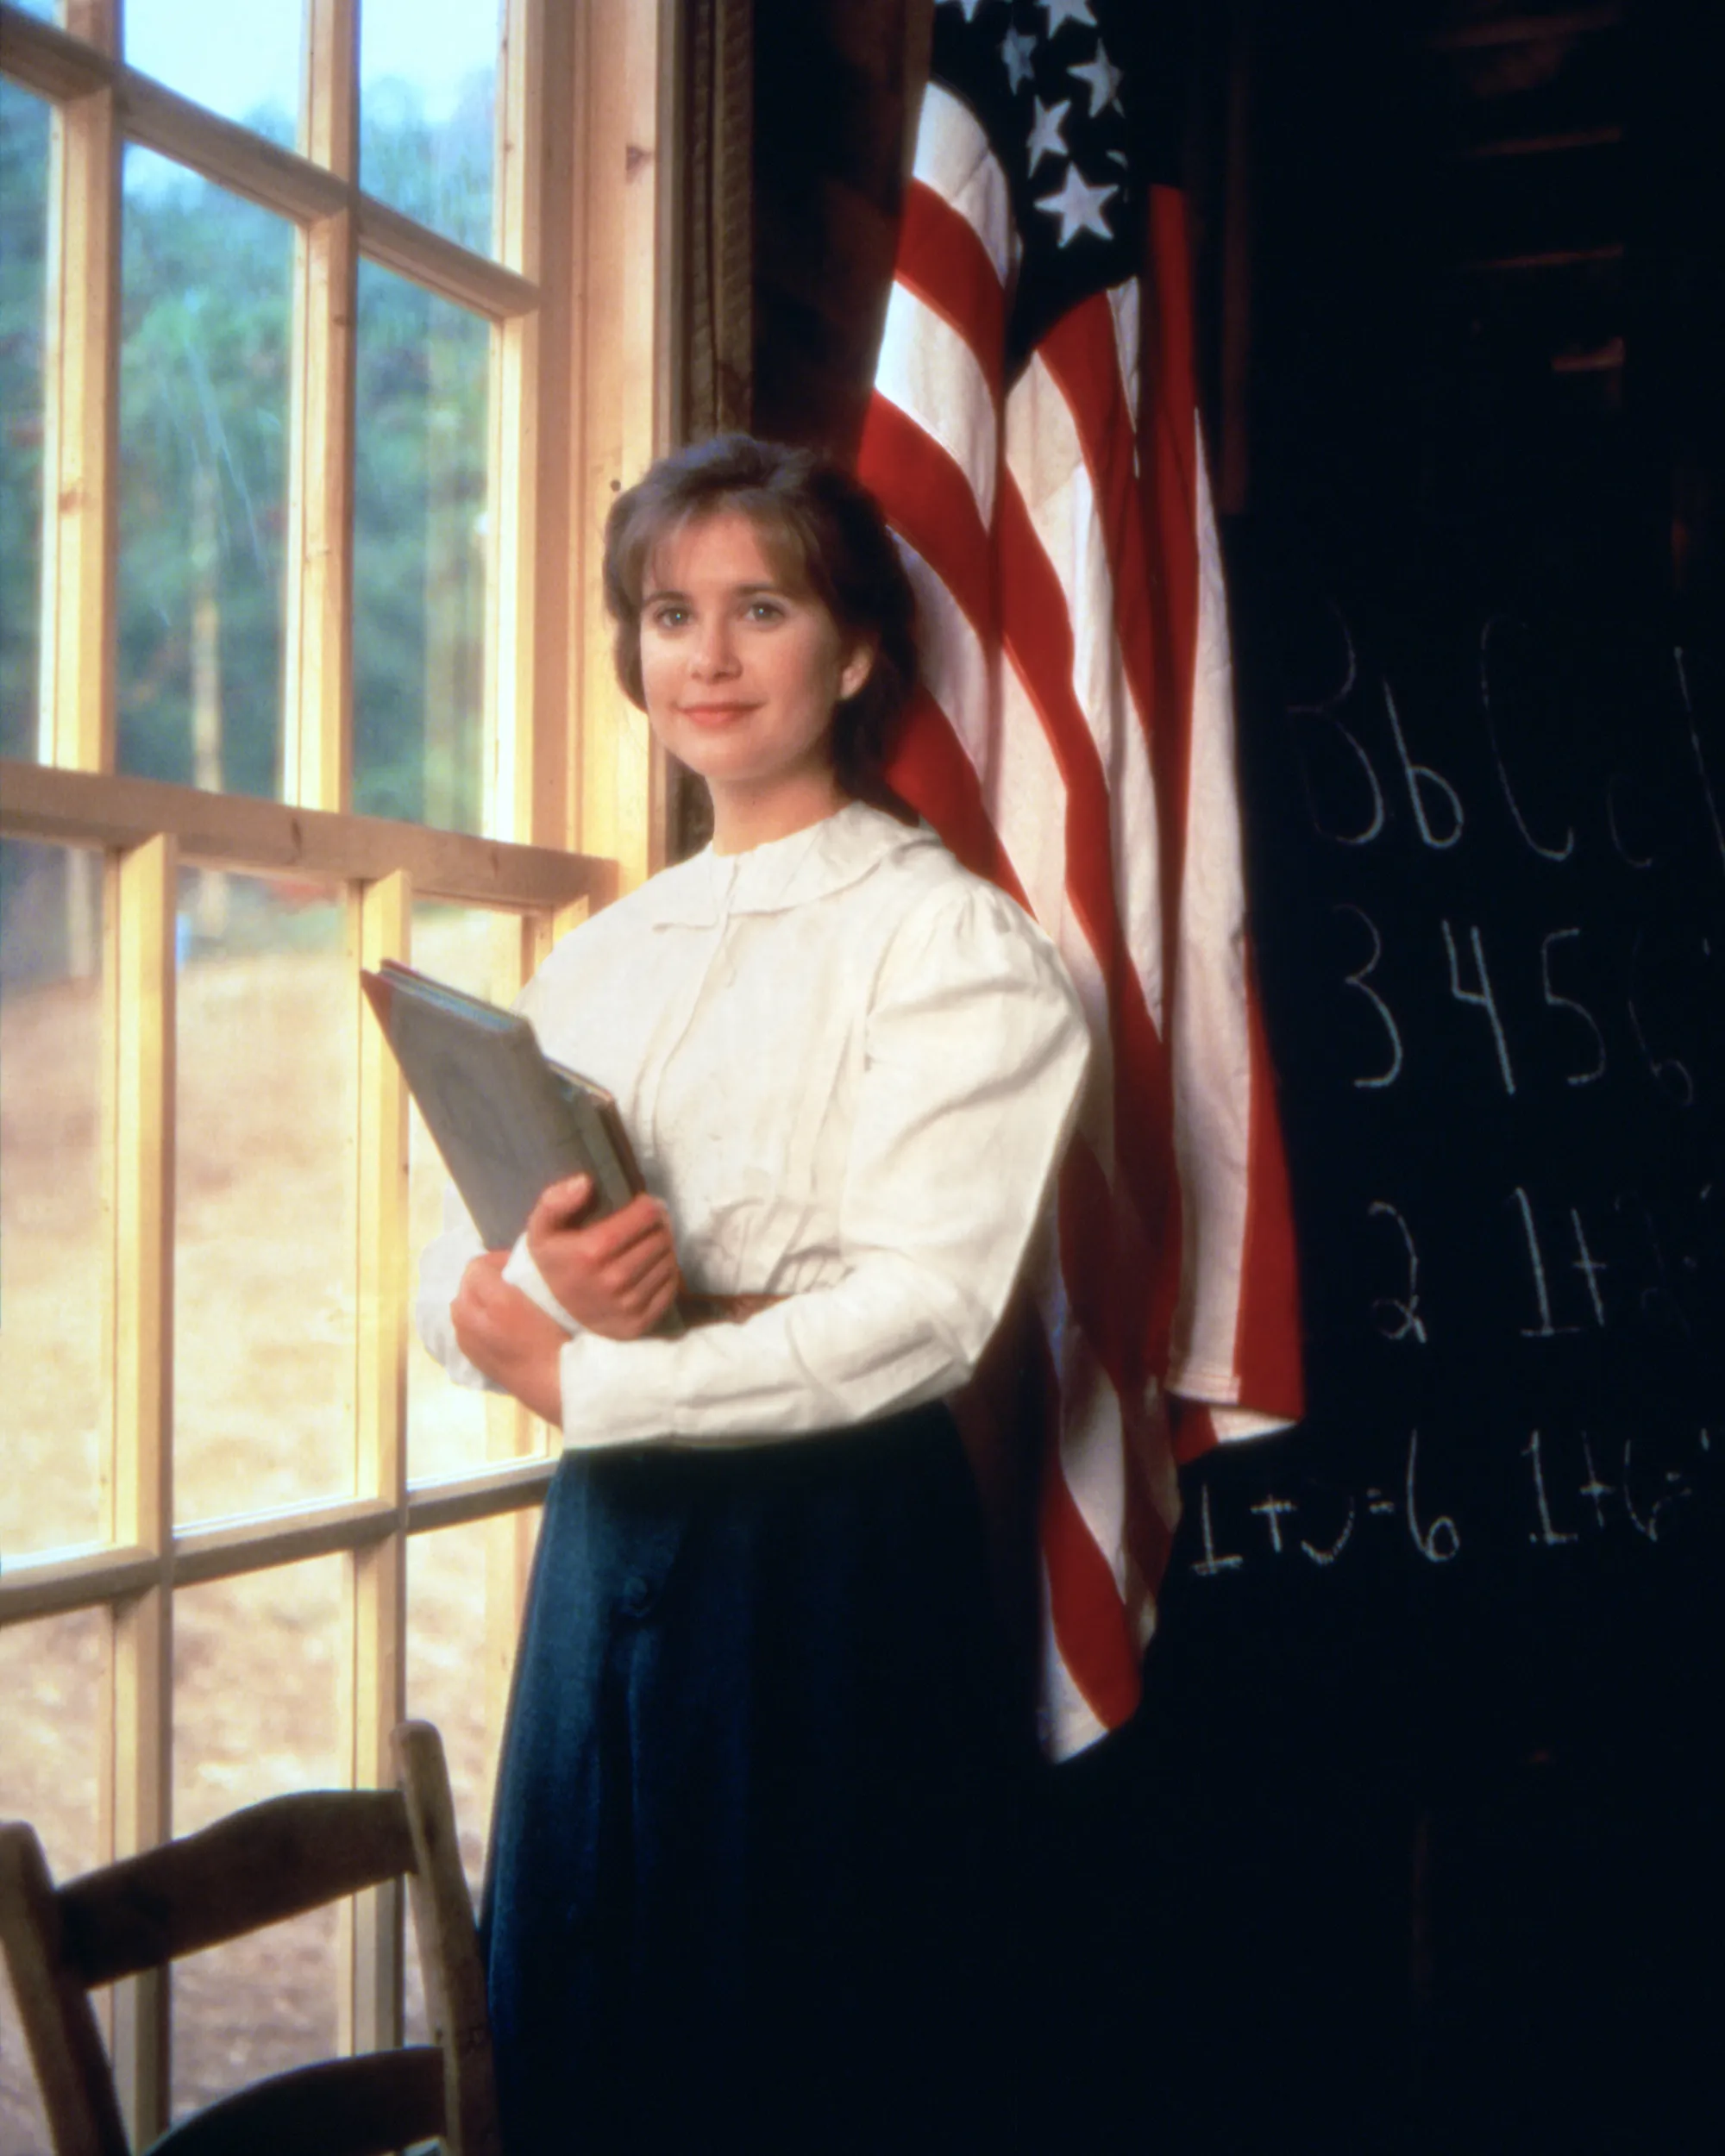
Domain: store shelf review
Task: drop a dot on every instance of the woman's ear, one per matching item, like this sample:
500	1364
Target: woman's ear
857	668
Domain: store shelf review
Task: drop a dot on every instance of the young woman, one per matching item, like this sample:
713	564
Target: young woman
743	1887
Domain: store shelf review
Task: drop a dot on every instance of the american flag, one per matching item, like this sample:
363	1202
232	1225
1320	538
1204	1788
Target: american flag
1033	438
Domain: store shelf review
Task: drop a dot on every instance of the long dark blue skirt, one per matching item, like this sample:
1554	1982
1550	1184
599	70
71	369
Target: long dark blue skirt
749	1883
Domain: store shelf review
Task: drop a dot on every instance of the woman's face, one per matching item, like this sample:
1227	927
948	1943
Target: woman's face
741	671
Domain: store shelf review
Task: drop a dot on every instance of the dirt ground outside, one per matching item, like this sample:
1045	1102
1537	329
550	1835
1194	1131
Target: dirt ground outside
263	1361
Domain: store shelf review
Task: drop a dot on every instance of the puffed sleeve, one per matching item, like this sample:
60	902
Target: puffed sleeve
441	1264
976	1051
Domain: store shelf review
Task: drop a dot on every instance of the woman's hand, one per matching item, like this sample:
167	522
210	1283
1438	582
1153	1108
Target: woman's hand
507	1339
618	1277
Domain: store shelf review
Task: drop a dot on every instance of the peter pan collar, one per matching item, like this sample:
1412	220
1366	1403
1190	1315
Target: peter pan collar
830	855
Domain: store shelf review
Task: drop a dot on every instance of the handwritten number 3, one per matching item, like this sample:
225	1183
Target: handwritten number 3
1360	979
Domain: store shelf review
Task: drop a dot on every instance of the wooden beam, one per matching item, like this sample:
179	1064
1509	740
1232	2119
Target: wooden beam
1525	29
80	397
236	832
377	1699
442	265
138	1180
626	392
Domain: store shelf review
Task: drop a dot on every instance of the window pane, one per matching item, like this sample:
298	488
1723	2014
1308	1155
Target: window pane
264	1317
23	251
256	1713
446	1423
428	102
419	500
194	46
51	1691
204	424
51	1266
461	1649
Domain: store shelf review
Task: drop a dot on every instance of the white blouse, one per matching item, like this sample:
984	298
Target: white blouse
849	1068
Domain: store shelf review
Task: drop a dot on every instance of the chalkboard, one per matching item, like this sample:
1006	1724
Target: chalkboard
1420	1820
1488	859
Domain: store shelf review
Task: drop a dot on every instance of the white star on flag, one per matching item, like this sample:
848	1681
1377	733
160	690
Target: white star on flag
1104	79
968	6
1047	133
1016	50
1059	11
1079	207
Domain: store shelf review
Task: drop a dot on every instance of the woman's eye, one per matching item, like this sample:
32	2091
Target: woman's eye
766	610
668	617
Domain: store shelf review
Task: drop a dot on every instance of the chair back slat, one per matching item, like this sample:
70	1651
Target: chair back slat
343	2107
260	1866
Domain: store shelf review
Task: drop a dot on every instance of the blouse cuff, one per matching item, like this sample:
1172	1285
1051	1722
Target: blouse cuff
522	1270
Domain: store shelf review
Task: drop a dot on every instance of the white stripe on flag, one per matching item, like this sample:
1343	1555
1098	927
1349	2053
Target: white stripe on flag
1211	1041
931	373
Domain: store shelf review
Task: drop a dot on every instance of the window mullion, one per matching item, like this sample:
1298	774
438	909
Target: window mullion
140	1170
80	389
317	722
371	2005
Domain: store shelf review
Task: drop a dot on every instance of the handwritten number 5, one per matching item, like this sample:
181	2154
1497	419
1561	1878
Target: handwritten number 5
1568	1003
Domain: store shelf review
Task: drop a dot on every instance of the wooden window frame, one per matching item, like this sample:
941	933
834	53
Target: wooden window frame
584	390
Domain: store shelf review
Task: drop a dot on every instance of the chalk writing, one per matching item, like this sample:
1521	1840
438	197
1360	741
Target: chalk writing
1559	1002
1545	1330
1360	978
1590	1268
1325	710
1441	1542
1210	1564
1706	777
1398	1318
1544	1533
1593	1489
1546	853
1671	1074
1320	1555
1421	776
1271	1509
1481	997
1614	825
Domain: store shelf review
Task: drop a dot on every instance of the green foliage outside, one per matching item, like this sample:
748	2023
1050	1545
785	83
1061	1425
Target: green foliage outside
206	313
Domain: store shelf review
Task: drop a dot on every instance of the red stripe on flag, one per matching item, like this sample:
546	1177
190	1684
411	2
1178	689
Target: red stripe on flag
1085	1610
928	767
1268	1337
942	260
928	502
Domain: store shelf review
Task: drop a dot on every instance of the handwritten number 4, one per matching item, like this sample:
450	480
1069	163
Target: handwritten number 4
1481	997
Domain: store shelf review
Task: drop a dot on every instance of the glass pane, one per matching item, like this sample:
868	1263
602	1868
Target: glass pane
264	1317
428	106
446	1423
51	1264
51	1691
24	287
461	1650
193	46
206	287
256	1713
420	539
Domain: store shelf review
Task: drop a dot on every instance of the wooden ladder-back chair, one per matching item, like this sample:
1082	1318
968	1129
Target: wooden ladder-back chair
252	1869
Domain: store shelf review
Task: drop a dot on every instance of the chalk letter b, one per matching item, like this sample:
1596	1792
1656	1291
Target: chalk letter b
1421	776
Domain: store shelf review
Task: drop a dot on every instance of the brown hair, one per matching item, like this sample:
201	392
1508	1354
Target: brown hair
823	528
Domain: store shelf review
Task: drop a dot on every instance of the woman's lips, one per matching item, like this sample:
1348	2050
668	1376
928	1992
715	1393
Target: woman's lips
714	714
